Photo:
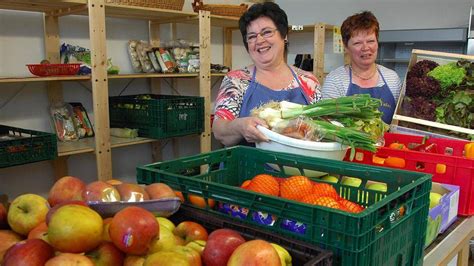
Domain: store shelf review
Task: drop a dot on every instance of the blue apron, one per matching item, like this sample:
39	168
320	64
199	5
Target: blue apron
258	94
384	93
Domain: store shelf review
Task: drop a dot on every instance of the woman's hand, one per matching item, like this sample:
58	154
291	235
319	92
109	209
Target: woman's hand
249	131
232	132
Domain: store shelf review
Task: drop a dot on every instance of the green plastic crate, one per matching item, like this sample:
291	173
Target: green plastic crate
158	116
21	146
390	231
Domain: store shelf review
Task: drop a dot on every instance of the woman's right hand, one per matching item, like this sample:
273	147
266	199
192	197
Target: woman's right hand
232	132
248	129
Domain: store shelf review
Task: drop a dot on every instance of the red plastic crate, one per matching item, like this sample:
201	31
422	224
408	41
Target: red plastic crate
45	70
459	170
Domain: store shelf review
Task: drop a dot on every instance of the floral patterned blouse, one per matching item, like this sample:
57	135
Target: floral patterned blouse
236	82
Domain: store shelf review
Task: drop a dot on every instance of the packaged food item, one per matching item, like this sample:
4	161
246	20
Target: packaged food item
62	116
132	52
142	50
154	61
82	121
165	59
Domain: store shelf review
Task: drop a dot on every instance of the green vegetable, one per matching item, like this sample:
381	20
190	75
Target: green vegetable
458	109
448	75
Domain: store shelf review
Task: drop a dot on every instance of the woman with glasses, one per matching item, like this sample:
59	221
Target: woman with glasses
360	34
264	29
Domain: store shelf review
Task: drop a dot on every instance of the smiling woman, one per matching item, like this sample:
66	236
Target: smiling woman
264	29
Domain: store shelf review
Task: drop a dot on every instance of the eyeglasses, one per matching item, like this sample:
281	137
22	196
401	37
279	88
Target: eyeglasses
266	33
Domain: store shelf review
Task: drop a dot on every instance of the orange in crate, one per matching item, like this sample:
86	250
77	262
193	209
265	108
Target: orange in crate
350	206
265	184
395	162
323	189
200	201
327	202
296	187
310	199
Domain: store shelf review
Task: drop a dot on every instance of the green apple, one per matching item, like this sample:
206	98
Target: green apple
26	212
164	222
434	199
378	186
165	241
351	181
285	257
330	179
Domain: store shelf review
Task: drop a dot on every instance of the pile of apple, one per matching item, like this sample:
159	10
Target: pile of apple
63	230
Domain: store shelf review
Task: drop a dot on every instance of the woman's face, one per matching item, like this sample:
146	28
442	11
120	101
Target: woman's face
265	51
362	48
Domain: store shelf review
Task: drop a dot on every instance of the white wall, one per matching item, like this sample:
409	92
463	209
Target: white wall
27	105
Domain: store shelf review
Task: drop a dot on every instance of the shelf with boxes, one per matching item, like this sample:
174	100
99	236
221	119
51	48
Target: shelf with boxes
96	12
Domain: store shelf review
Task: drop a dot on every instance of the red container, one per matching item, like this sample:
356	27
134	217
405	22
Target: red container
45	70
445	162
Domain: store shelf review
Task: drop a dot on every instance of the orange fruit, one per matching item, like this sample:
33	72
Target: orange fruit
327	202
245	184
325	190
395	162
310	199
350	206
397	146
200	201
296	187
265	184
179	194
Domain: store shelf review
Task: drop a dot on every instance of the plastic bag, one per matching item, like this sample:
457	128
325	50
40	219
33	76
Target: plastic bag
62	116
132	53
298	128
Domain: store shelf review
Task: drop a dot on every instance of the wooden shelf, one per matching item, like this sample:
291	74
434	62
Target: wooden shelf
39	79
42	5
86	145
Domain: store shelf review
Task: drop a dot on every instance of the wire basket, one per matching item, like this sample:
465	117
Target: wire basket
221	10
162	4
44	70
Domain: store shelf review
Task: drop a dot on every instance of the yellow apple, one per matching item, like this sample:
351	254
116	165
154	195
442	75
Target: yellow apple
165	241
434	199
330	178
166	223
378	186
351	181
26	212
166	258
285	257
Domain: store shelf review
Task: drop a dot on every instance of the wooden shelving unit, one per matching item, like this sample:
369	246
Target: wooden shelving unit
97	11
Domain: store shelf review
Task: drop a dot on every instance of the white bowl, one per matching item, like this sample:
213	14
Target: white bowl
281	143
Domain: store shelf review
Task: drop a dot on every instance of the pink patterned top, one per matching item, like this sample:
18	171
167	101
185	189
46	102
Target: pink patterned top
236	82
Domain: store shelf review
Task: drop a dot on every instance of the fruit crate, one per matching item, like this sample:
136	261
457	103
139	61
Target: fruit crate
158	116
401	118
301	253
390	231
447	164
21	146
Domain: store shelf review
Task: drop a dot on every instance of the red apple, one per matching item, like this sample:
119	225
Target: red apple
220	245
59	205
254	253
192	255
133	229
106	254
132	260
8	238
159	191
3	217
26	212
40	232
31	252
166	258
101	191
69	259
132	192
66	188
75	229
190	231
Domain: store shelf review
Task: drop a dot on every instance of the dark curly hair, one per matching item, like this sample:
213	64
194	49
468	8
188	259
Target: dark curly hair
266	9
363	21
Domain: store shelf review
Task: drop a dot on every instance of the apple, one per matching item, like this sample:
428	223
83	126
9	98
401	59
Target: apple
220	245
253	253
59	205
197	245
133	229
69	259
40	232
166	240
26	212
351	181
29	252
159	191
194	258
285	257
434	199
75	229
65	189
164	222
132	260
106	254
3	217
132	192
378	186
166	258
101	191
330	179
105	232
190	231
8	239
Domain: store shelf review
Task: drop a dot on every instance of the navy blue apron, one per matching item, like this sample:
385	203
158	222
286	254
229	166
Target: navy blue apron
258	94
384	93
